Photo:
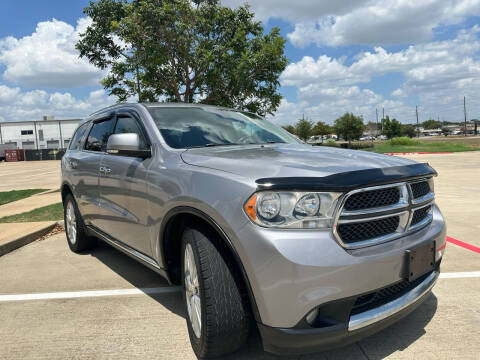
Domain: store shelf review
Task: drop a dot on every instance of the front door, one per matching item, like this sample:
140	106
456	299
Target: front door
88	169
123	192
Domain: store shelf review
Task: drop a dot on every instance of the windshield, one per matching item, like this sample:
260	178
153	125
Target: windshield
183	127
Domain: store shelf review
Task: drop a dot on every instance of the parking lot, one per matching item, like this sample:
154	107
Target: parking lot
57	305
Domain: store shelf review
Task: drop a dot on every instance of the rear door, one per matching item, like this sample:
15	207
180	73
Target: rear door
88	168
123	190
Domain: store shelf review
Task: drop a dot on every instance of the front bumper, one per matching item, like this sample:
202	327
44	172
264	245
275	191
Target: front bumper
289	341
293	272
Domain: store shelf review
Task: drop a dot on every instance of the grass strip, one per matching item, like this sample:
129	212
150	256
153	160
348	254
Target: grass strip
14	195
47	213
423	147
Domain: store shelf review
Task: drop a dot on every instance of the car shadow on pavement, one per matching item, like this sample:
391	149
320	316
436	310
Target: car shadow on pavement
397	337
138	275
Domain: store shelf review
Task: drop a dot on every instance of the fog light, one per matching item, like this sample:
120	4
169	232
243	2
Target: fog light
312	316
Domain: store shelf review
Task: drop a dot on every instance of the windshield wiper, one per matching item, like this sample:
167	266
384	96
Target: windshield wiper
233	144
211	145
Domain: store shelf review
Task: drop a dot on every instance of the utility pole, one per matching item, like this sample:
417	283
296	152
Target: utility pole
418	129
376	112
61	137
383	116
465	113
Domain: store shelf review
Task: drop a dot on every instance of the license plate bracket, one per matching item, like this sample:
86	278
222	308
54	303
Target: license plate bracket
420	260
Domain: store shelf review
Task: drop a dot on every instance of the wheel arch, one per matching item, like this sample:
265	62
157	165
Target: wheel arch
170	246
65	190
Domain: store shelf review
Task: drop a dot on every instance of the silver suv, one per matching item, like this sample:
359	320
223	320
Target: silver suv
316	246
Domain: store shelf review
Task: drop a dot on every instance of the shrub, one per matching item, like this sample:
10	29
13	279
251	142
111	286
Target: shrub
405	141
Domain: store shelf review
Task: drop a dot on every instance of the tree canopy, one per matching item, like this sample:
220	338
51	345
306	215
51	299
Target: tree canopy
432	124
290	129
322	129
303	129
391	128
409	130
349	127
185	51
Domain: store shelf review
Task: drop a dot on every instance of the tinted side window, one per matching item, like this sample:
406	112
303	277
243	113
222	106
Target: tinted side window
77	138
98	137
127	125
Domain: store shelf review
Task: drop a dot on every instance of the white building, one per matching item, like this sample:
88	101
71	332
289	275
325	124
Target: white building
42	134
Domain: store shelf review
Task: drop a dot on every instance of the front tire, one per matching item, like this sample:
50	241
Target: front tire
217	315
77	238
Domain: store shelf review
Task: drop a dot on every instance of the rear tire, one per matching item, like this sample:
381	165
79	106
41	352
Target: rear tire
75	230
217	314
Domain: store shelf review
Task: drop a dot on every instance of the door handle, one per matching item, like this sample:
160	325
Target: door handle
105	170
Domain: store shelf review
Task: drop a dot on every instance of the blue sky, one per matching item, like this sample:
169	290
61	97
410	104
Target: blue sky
347	55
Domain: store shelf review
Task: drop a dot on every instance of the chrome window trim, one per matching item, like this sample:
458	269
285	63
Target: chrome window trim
404	208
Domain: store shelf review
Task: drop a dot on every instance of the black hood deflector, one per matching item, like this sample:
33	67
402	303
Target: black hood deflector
350	180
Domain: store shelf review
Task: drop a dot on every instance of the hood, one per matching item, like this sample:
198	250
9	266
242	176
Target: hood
287	160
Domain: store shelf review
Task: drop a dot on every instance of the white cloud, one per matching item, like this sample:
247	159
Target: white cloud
372	22
48	57
7	94
436	75
297	11
398	93
32	105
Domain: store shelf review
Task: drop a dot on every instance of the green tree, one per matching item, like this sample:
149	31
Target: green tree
349	127
431	124
391	128
303	129
185	51
409	130
290	129
322	129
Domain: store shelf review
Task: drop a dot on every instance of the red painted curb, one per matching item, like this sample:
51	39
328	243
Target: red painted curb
418	153
463	244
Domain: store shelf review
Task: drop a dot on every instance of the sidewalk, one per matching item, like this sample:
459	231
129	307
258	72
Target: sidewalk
30	203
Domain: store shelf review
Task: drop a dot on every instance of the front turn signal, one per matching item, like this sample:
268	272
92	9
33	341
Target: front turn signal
250	207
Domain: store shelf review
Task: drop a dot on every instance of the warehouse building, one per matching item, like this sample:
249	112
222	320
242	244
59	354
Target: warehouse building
42	134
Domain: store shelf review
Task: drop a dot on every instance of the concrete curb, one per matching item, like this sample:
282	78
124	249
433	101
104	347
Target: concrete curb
27	239
48	192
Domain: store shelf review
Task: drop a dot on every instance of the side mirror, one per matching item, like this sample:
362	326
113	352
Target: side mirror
126	145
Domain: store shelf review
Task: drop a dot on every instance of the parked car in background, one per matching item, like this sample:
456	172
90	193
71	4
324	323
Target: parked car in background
316	246
368	137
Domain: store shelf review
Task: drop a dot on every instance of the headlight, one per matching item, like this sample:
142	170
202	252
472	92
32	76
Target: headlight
285	209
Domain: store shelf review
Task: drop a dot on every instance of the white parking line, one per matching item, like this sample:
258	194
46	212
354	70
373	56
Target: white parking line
153	291
460	275
89	293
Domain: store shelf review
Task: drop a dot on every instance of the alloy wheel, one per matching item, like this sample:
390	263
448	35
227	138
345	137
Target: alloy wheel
192	291
71	223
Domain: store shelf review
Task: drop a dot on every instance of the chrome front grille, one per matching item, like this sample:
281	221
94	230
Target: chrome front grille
372	199
420	189
378	214
359	231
